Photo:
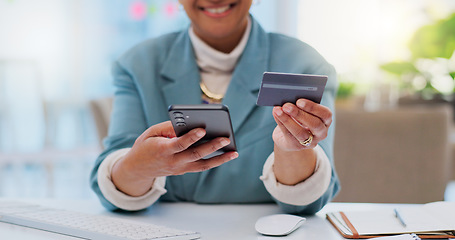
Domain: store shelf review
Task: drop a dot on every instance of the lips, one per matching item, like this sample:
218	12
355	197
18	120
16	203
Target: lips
217	10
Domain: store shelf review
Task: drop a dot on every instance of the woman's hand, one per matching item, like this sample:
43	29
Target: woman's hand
158	152
299	123
300	128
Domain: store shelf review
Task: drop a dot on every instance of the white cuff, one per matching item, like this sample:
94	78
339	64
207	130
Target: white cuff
302	193
120	199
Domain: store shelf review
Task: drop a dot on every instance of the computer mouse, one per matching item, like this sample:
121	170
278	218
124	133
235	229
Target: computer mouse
278	224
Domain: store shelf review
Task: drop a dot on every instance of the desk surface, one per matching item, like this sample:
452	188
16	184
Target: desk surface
212	221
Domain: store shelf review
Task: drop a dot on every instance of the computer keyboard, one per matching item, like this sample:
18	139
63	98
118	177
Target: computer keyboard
84	225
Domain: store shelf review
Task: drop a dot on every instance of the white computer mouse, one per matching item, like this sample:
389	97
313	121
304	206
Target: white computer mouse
278	224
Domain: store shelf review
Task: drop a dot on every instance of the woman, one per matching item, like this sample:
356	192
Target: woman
284	154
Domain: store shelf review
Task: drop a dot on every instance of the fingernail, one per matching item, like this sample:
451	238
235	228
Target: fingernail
278	112
234	155
224	142
300	104
287	109
200	133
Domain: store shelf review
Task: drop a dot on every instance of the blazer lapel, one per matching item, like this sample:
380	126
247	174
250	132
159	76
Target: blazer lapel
182	77
246	80
180	73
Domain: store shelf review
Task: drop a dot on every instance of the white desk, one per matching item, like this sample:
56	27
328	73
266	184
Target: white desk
216	222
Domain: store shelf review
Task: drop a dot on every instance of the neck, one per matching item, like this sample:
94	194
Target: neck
225	44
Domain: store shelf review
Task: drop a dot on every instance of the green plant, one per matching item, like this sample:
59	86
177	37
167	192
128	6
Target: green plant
345	90
436	40
432	50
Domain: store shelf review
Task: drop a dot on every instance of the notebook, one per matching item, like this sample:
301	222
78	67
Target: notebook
411	236
431	220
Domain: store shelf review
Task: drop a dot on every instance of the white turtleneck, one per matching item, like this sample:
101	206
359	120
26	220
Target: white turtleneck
216	70
216	67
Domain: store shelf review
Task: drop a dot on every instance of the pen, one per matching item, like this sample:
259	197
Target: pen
399	217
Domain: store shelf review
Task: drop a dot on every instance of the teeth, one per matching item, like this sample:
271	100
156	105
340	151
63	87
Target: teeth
217	10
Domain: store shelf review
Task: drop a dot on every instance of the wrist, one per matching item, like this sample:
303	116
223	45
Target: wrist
293	167
127	178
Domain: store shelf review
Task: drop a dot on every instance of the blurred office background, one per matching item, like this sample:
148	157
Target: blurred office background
55	58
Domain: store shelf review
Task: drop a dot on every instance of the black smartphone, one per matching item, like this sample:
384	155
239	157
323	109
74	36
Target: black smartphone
214	118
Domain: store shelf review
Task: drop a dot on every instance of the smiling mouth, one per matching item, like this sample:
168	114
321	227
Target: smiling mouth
218	10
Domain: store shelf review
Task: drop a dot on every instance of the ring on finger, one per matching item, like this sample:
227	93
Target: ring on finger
307	142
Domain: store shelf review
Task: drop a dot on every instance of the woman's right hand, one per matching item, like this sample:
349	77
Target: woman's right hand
158	152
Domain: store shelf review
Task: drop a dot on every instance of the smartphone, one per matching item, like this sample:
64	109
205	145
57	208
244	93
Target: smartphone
214	118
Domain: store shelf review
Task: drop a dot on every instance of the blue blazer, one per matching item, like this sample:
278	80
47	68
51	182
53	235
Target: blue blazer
163	71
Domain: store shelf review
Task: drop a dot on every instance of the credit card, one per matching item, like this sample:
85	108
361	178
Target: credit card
280	88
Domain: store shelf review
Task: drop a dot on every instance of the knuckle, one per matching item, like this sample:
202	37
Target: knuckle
329	123
327	119
319	128
215	148
302	134
196	154
180	146
324	135
193	138
329	115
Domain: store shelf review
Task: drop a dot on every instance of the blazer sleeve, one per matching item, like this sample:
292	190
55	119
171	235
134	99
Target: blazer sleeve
328	100
127	123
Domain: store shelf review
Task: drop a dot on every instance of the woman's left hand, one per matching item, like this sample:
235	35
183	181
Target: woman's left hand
301	126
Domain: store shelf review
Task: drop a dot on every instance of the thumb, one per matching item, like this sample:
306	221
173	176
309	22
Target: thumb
163	129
